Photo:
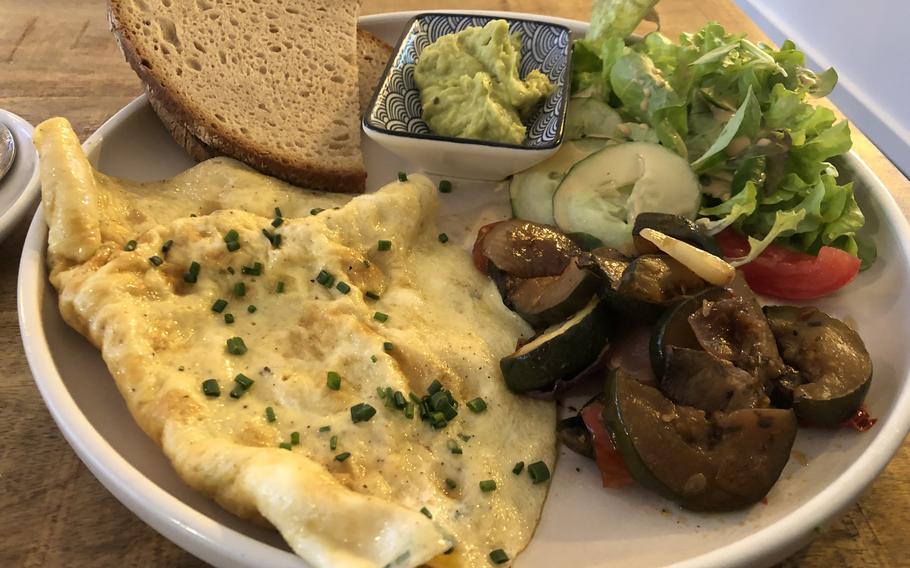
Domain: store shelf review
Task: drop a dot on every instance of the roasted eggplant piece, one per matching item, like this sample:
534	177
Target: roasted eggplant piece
606	262
833	368
674	226
525	249
546	300
701	380
585	241
573	434
735	329
559	352
673	329
658	279
720	462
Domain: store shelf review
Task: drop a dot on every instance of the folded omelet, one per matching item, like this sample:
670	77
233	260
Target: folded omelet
273	355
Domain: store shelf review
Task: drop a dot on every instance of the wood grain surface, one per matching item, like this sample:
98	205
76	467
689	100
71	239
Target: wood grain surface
58	58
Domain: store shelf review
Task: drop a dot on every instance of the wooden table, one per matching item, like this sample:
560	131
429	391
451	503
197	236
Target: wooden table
57	58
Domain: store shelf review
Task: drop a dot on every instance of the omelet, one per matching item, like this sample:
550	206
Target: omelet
325	365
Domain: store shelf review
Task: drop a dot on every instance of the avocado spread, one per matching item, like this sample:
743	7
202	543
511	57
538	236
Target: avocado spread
470	88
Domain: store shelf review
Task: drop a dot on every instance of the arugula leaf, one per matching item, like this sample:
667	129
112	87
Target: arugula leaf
744	123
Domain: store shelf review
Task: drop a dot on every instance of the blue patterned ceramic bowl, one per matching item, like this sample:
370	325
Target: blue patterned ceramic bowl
394	116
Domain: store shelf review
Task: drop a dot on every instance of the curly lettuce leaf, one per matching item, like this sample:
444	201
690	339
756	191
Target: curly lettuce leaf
730	211
617	18
785	222
744	123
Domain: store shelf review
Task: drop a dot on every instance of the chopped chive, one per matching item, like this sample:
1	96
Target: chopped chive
156	260
388	346
316	210
465	437
443	238
244	381
228	318
373	358
445	186
192	273
366	263
270	414
539	472
240	289
231	236
487	485
219	305
343	287
237	391
438	420
166	247
277	221
380	391
279	288
325	428
236	346
380	317
402	176
333	380
450	483
426	512
325	278
295	438
270	236
516	469
400	400
454	447
384	245
499	556
278	212
434	387
342	456
233	246
130	245
210	387
409	411
333	442
254	270
285	446
251	308
370	295
477	405
276	240
362	412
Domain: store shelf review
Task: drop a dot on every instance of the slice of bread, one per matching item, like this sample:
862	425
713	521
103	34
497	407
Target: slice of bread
372	56
271	84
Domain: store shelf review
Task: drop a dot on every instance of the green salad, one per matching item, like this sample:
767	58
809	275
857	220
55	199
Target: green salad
740	113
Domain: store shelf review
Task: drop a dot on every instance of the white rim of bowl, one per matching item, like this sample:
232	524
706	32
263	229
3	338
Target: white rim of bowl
201	535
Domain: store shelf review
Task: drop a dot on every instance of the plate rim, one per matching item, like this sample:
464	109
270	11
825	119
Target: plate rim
201	535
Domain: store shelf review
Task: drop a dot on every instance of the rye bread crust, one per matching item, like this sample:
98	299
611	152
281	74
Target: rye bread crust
208	136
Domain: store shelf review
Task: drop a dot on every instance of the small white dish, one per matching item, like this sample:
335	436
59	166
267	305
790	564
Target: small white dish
19	187
394	117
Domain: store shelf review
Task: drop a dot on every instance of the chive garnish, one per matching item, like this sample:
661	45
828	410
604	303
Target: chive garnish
380	317
295	438
316	210
240	289
167	246
325	278
192	273
277	221
279	288
370	295
333	380
343	287
445	186
244	381
450	483
399	400
254	270
384	245
270	414
233	245
130	245
388	346
237	391
325	428
231	236
409	411
285	446
437	420
333	442
219	305
426	512
251	309
366	263
516	469
477	405
276	240
443	238
380	391
210	387
229	318
402	176
539	472
454	447
499	556
156	260
278	212
434	387
342	456
373	358
487	485
236	346
362	412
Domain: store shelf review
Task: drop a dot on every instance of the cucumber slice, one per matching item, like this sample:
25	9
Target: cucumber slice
591	118
531	191
604	193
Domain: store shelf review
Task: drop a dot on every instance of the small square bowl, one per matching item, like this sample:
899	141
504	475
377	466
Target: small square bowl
393	118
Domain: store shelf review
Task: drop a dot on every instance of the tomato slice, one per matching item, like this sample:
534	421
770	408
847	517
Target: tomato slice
613	470
789	274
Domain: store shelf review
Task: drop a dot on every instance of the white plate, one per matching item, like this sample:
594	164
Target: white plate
582	524
19	187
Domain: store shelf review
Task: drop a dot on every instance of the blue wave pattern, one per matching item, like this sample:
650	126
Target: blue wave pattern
543	46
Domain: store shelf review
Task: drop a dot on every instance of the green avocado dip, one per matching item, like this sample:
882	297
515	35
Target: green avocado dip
470	88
